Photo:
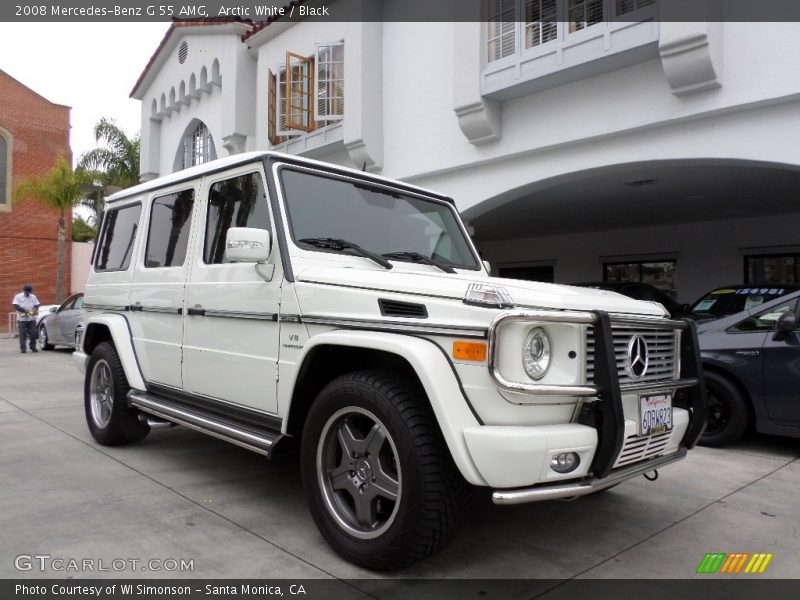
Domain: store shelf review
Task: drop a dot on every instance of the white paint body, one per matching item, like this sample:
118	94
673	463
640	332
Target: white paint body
248	346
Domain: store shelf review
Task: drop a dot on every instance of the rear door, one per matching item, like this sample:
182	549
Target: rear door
157	289
230	349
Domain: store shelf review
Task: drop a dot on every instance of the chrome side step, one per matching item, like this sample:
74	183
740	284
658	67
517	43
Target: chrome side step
258	440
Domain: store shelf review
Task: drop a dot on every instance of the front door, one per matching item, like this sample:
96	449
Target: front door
66	321
231	326
782	372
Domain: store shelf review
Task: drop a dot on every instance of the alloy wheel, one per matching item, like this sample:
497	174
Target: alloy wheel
101	394
359	472
719	413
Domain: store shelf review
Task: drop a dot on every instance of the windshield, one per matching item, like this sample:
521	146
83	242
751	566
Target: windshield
728	301
379	221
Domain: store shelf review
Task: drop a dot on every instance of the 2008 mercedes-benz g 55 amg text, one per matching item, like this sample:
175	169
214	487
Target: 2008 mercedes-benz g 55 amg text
262	297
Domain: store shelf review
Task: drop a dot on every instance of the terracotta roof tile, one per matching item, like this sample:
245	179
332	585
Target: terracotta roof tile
188	23
263	24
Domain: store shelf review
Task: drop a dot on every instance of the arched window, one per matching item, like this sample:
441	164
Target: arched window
5	170
198	146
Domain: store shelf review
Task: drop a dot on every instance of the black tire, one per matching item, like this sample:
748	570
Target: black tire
728	413
111	421
432	496
44	339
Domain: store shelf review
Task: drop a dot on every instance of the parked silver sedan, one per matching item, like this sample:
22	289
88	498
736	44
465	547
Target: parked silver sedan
59	328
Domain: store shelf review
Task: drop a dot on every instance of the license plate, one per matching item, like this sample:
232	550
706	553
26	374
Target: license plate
655	414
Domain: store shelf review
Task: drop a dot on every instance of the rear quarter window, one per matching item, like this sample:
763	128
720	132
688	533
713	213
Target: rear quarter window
115	248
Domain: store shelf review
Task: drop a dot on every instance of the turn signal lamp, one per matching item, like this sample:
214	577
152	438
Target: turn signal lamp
492	296
469	351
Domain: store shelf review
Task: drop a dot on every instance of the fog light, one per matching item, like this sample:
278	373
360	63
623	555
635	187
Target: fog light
566	462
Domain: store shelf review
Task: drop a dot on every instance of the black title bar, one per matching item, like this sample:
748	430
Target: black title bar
367	10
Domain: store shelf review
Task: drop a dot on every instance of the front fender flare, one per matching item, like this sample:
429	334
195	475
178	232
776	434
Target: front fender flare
434	371
122	337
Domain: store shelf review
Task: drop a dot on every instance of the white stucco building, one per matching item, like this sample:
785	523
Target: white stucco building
577	150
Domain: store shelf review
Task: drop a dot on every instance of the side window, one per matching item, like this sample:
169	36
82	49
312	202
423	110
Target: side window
768	319
78	303
236	202
68	304
168	236
114	250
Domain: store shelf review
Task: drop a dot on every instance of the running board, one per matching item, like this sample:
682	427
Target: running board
261	441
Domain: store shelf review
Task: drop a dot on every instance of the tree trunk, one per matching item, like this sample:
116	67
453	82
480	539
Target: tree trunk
60	255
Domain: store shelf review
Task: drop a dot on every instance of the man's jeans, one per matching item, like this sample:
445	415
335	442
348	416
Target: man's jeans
27	328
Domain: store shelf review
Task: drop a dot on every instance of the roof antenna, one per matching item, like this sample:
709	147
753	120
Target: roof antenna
364	166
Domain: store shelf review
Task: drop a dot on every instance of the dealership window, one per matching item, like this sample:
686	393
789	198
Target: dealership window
661	274
516	26
545	273
236	202
118	233
198	146
305	92
168	235
5	170
772	268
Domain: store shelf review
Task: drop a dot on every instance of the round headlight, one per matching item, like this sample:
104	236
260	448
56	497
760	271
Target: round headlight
536	353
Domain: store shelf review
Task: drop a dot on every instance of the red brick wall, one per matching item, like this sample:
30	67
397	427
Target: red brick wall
29	233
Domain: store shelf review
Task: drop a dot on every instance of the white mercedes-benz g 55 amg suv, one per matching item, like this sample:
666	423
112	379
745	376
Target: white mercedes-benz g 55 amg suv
264	298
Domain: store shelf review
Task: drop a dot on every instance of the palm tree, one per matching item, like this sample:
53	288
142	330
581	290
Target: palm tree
113	165
60	189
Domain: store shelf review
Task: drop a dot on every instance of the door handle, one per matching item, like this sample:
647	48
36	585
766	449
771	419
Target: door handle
196	312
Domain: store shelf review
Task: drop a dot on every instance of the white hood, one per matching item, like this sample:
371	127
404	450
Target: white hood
524	294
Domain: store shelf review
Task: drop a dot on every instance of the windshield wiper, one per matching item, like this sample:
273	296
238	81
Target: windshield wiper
338	245
419	258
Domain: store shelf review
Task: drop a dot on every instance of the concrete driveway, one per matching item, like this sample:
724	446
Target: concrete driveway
181	495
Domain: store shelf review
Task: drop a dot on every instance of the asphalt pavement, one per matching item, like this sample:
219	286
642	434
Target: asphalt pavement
180	495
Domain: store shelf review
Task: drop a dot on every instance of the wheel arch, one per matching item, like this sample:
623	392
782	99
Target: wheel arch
420	359
114	328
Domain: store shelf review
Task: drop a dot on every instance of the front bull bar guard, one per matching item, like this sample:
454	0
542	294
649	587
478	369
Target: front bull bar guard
607	388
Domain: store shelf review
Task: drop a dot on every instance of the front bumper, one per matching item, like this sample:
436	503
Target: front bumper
80	358
581	488
519	457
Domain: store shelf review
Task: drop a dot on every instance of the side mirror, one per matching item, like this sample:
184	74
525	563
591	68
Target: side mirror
53	309
246	244
787	323
487	266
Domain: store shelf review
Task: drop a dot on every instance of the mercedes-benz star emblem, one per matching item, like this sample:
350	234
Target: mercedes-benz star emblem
638	357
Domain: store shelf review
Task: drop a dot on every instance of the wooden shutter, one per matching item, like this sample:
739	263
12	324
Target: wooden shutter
272	110
281	128
299	91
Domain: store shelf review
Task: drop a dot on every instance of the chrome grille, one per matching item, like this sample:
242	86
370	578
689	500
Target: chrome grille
662	345
641	447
